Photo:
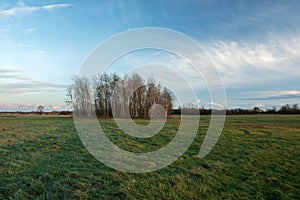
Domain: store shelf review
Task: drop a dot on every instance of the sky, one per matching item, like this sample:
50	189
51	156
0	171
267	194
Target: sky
255	46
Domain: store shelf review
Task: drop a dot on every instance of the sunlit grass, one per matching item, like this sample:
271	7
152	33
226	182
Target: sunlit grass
256	157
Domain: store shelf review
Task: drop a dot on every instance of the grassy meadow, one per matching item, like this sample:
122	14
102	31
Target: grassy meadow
256	157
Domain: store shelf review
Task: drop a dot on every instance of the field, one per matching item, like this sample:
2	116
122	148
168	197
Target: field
256	157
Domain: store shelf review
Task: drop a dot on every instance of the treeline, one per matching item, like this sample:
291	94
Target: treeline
285	109
120	97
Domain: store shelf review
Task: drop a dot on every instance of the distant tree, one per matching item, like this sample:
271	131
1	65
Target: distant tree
256	109
273	109
295	106
40	109
295	109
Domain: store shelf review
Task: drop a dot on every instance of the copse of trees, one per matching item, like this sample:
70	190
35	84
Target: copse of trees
120	97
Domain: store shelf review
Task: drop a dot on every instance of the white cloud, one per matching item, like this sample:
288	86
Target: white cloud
54	6
275	96
263	99
215	105
29	85
12	74
10	70
274	93
22	8
14	81
248	63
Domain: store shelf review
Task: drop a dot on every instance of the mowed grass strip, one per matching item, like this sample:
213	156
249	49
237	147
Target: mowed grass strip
256	157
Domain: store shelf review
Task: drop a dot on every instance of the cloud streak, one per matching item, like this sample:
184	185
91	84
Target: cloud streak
55	6
21	8
249	63
14	81
12	74
30	86
272	95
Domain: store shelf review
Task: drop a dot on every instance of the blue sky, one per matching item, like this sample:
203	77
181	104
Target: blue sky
254	44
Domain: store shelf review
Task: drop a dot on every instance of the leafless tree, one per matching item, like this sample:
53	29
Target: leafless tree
40	109
79	95
112	95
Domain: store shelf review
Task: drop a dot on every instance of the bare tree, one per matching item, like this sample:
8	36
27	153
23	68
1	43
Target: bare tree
79	95
40	109
112	95
167	102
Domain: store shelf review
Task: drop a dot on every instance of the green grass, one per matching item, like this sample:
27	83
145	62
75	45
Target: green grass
256	157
